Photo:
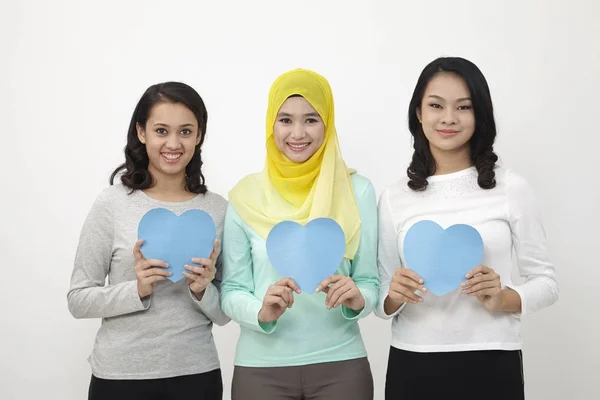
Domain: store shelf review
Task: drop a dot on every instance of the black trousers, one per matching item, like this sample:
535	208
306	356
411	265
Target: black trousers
476	375
207	386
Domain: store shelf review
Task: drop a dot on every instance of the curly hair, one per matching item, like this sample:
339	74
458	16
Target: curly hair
481	143
135	168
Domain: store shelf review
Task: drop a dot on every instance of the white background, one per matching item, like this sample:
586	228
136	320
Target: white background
72	71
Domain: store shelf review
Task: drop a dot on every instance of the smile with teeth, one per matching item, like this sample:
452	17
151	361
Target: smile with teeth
298	146
171	157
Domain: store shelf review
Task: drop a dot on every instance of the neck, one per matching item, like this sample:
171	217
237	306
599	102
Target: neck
448	162
167	187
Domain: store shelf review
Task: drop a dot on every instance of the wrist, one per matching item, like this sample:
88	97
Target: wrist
510	301
390	305
198	295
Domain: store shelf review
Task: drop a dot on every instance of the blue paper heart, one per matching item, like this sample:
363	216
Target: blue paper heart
442	257
176	239
306	254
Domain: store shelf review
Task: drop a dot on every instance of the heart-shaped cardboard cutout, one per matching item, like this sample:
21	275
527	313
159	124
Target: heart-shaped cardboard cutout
176	239
442	257
307	254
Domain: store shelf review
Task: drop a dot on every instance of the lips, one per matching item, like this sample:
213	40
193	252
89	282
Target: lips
447	132
171	158
297	147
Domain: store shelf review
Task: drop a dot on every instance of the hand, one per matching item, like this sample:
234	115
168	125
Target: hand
200	277
146	272
484	283
343	291
403	287
279	297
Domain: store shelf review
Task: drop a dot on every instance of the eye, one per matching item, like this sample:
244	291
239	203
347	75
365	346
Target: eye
285	120
161	131
435	105
465	107
186	132
312	121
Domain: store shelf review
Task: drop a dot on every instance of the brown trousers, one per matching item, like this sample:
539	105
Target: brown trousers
340	380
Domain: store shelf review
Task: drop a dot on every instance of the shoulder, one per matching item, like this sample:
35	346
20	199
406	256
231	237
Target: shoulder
215	200
362	185
397	189
111	195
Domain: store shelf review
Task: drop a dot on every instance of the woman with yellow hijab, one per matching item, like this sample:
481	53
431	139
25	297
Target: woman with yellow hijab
314	349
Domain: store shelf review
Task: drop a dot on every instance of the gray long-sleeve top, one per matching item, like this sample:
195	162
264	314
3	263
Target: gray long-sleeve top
167	334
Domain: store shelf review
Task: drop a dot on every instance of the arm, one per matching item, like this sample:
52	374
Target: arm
88	296
237	289
540	289
388	259
363	270
209	303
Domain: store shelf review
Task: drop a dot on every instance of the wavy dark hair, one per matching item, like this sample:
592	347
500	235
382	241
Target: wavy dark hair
135	168
481	143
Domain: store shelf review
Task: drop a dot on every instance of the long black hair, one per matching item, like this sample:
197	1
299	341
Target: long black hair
136	175
481	143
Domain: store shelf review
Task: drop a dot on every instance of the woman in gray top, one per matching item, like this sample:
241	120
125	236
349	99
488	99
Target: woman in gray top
155	340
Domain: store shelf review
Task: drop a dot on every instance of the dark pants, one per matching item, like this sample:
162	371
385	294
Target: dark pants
476	375
207	386
341	380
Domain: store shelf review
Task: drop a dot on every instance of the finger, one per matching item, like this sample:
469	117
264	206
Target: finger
480	278
335	288
480	286
328	281
154	279
485	292
345	297
409	274
155	271
289	282
137	250
196	270
480	269
216	248
410	283
410	296
288	297
339	293
154	263
275	300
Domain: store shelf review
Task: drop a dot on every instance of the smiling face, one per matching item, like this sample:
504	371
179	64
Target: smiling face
299	130
446	113
170	135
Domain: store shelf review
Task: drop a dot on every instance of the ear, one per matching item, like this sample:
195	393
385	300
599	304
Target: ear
419	115
198	137
141	133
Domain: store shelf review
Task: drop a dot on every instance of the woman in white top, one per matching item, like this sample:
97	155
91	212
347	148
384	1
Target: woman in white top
465	344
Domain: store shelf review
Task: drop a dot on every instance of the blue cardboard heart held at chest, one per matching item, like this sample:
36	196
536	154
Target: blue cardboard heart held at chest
307	254
442	257
176	239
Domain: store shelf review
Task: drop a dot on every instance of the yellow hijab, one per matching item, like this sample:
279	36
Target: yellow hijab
300	192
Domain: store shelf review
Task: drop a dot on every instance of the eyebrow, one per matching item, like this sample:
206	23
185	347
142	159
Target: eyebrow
167	126
311	114
441	98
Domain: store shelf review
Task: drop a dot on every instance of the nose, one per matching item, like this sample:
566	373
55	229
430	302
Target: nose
297	131
173	142
449	116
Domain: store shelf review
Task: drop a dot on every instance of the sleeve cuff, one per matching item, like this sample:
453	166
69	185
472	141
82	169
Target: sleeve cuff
382	312
264	327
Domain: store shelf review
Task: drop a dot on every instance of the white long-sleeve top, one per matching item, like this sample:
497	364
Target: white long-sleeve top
513	235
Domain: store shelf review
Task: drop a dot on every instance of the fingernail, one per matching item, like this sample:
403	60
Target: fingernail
318	290
424	289
462	284
420	280
468	276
